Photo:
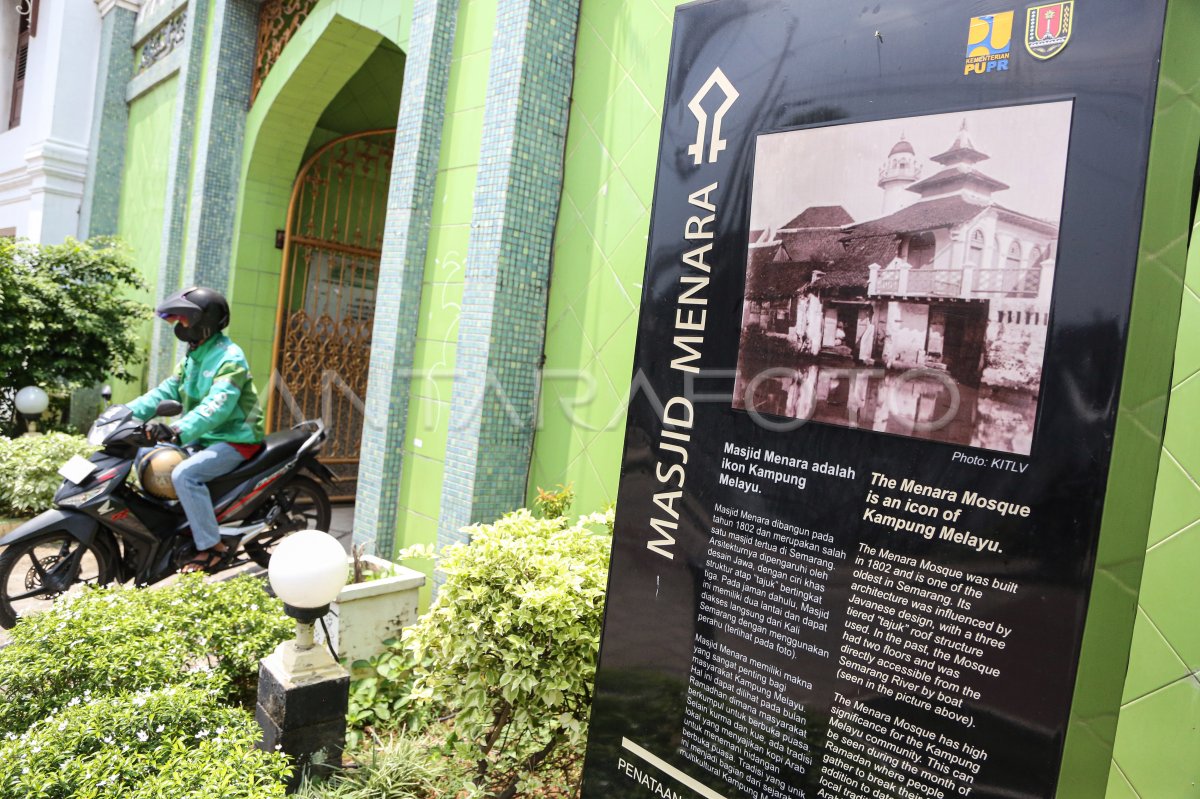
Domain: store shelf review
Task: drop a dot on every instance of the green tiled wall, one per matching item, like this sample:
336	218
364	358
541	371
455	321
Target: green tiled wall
1157	752
369	101
110	125
1118	654
428	422
228	65
143	196
502	319
164	352
411	205
328	49
600	245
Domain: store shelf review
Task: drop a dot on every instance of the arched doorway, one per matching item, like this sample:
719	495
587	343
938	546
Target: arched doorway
326	309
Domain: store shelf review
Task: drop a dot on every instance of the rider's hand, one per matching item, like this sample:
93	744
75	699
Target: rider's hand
157	431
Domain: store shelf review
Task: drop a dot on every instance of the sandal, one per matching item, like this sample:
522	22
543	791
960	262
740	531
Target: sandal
206	560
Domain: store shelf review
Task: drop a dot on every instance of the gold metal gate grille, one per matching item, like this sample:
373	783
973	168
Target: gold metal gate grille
326	310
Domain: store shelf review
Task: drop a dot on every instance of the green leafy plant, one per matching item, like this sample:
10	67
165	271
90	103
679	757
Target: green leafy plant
510	644
398	767
66	317
166	743
383	698
382	573
108	642
363	571
606	517
381	688
554	504
29	470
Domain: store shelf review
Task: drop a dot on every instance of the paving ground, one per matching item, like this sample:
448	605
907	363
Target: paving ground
341	527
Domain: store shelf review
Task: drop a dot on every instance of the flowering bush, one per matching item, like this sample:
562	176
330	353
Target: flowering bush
122	692
109	642
168	742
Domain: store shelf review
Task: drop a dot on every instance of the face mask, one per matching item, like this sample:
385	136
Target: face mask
188	335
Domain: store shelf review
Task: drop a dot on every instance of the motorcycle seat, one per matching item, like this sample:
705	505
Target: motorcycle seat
277	448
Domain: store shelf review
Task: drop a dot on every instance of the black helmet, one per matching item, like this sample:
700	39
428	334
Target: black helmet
197	313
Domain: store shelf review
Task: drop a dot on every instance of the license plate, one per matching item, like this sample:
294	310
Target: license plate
77	469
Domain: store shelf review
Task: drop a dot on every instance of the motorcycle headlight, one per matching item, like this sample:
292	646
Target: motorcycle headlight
76	500
99	432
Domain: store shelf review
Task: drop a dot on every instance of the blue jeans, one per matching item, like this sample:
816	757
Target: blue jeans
190	477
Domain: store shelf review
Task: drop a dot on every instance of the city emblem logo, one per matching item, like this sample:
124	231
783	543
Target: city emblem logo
989	43
718	80
1048	29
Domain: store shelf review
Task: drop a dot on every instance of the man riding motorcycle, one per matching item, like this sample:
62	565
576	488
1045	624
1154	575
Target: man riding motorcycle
221	425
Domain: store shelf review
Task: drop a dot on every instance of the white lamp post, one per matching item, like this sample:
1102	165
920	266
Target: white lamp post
303	693
31	403
308	569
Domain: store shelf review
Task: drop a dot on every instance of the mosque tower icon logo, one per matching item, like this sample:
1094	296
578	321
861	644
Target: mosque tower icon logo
716	80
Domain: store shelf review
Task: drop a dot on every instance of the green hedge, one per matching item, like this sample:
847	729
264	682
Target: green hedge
29	470
168	743
67	319
508	650
140	693
116	640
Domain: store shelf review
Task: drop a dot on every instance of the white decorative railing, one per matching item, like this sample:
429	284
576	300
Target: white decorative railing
900	279
1009	282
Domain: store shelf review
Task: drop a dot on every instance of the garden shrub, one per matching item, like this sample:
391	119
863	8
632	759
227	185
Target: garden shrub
66	317
29	470
111	641
510	644
397	768
169	742
383	697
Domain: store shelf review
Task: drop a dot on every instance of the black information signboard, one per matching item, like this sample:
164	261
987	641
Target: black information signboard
886	299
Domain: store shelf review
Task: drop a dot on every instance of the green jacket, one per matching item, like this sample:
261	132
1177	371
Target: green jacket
219	400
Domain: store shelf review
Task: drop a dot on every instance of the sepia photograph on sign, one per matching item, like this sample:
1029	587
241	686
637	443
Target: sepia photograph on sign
899	274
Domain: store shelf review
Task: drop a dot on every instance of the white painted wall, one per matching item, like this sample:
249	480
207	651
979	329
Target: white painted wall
8	52
43	161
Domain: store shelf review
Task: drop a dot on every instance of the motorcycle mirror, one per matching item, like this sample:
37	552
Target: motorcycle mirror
168	408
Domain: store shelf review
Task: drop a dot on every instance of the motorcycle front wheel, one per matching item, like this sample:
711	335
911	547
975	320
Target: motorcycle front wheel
35	571
303	505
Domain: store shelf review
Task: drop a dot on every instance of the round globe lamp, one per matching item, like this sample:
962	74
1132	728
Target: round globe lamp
303	693
307	571
31	403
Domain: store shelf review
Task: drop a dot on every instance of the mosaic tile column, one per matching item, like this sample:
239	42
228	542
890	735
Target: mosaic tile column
179	172
221	124
110	121
402	266
503	320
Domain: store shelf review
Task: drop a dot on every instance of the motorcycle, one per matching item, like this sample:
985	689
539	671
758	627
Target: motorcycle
104	528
